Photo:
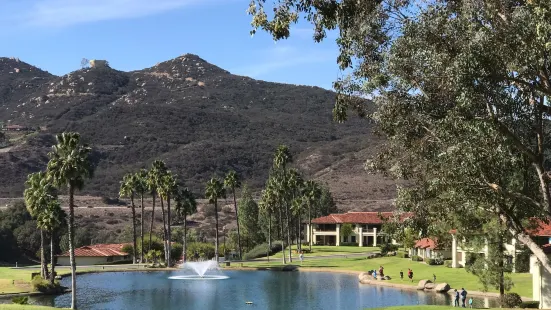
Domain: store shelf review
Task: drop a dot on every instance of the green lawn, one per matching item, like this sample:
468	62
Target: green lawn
456	277
419	308
321	250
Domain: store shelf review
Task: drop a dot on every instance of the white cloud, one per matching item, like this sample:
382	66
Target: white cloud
281	57
61	13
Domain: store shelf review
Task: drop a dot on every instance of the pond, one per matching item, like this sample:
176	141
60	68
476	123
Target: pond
265	289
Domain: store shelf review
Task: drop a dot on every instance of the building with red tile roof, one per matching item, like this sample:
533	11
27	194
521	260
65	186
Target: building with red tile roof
366	228
95	255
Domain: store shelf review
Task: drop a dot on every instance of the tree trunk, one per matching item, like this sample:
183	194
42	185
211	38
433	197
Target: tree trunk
269	235
43	263
72	247
237	220
299	239
184	244
134	236
52	257
310	226
169	244
164	229
289	243
152	221
141	230
282	235
216	231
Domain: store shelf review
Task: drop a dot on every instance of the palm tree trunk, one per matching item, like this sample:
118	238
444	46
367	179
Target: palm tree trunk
282	235
152	221
269	235
134	243
52	256
216	231
141	230
299	240
72	247
43	264
169	244
164	228
289	240
184	243
310	227
237	220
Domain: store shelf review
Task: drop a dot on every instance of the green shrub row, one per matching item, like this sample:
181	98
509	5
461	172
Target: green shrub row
434	261
403	255
416	258
261	249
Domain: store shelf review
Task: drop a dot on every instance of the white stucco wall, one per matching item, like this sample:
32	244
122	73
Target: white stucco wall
541	282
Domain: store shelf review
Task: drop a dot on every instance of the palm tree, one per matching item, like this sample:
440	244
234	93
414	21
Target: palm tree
69	166
282	157
168	186
38	194
294	185
214	191
128	189
52	219
141	188
311	193
297	206
153	179
266	205
185	205
276	187
232	182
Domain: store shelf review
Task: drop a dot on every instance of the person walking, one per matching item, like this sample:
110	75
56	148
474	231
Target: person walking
401	275
456	298
463	297
434	278
410	274
301	257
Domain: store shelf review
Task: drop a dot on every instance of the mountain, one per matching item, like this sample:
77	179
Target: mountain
201	119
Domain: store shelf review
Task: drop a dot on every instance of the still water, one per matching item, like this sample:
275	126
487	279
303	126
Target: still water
265	289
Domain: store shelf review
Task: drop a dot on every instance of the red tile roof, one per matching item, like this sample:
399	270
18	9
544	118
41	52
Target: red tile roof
427	243
356	218
543	229
103	250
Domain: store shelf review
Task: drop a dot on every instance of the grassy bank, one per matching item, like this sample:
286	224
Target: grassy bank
24	307
420	308
320	250
455	277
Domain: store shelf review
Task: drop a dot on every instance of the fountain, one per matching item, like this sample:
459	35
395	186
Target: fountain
199	270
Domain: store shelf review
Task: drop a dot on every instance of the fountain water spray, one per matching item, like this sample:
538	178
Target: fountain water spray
200	269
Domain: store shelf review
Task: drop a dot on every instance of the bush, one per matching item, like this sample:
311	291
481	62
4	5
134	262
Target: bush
176	251
530	305
522	262
40	285
434	261
511	300
387	247
261	249
448	263
416	258
205	250
403	255
21	300
128	249
349	243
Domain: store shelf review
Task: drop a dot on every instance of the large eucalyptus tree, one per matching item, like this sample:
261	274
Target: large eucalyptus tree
462	89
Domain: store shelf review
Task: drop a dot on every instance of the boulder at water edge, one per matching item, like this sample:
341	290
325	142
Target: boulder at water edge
442	287
422	283
429	286
364	276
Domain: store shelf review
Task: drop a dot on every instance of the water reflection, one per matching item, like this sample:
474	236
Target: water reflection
267	290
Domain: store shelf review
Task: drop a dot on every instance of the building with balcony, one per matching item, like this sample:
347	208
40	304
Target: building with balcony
366	229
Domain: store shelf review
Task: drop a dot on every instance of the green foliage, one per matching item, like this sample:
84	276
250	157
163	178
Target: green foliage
530	305
204	250
262	249
248	211
416	258
176	251
346	230
128	249
387	247
448	263
522	261
21	300
44	286
511	300
434	261
403	255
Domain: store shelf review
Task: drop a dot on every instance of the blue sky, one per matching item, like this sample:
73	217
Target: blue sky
134	34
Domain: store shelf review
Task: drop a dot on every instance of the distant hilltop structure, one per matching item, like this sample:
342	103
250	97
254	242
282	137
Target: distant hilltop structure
96	63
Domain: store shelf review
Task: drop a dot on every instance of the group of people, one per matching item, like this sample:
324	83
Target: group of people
381	272
410	274
463	295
